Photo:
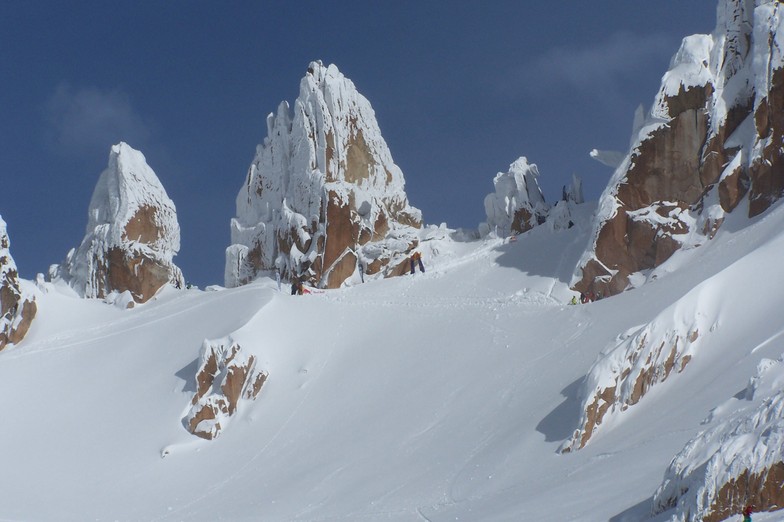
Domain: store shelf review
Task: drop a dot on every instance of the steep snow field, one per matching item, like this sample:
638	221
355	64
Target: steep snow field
442	396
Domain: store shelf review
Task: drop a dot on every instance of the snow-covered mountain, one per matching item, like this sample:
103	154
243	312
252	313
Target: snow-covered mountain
322	196
132	234
710	145
477	390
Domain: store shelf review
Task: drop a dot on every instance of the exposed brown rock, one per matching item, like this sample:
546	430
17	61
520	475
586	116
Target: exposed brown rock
225	376
767	172
763	490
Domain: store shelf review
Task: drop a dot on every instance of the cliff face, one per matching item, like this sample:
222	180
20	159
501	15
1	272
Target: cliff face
711	145
17	310
132	234
322	194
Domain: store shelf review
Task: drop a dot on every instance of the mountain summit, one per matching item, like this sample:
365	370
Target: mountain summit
322	196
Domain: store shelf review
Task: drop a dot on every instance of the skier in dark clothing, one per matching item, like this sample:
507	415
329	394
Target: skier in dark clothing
416	257
296	287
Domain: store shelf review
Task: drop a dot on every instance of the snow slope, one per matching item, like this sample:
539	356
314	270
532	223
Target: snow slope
440	396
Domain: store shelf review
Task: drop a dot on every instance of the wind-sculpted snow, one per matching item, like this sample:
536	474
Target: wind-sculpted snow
322	195
643	358
17	308
711	141
132	234
227	375
517	205
738	462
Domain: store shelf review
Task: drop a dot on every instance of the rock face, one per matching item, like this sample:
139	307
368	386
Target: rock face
132	234
322	193
226	376
517	205
17	310
737	462
713	140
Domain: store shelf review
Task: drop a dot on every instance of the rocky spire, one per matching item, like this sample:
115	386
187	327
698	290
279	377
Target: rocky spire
517	205
132	233
322	193
17	310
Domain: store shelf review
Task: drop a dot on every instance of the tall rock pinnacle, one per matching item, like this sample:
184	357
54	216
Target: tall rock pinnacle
322	194
132	233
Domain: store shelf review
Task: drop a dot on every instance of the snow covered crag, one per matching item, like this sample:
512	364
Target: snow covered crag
17	308
132	234
322	195
517	205
738	462
226	375
712	140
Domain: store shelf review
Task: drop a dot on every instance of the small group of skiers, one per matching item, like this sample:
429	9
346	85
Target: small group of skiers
588	297
298	287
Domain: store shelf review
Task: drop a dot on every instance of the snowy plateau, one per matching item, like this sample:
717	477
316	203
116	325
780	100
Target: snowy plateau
477	390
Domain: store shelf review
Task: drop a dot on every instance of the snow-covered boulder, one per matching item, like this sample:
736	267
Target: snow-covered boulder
517	205
132	234
738	462
713	137
322	194
17	308
227	375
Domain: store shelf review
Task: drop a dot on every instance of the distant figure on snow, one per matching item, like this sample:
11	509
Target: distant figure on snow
747	511
416	257
574	300
296	286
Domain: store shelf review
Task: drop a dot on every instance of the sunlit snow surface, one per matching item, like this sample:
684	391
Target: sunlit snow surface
440	396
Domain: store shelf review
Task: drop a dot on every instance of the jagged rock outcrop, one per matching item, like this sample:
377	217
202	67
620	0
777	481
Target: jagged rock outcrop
322	193
642	358
226	376
17	309
737	462
132	234
517	205
713	139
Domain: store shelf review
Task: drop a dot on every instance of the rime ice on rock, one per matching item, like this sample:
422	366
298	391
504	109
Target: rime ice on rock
322	193
737	462
712	140
17	310
517	205
132	234
226	377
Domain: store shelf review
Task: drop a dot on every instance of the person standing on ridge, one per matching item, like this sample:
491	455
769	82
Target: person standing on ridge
747	511
416	257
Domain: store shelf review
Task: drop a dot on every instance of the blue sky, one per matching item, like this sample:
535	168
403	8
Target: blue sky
460	89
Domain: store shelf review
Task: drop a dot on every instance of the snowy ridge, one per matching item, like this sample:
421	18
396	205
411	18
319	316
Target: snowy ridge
643	358
325	161
131	213
735	463
517	205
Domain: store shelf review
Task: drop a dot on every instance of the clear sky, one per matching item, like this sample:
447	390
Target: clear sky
461	89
